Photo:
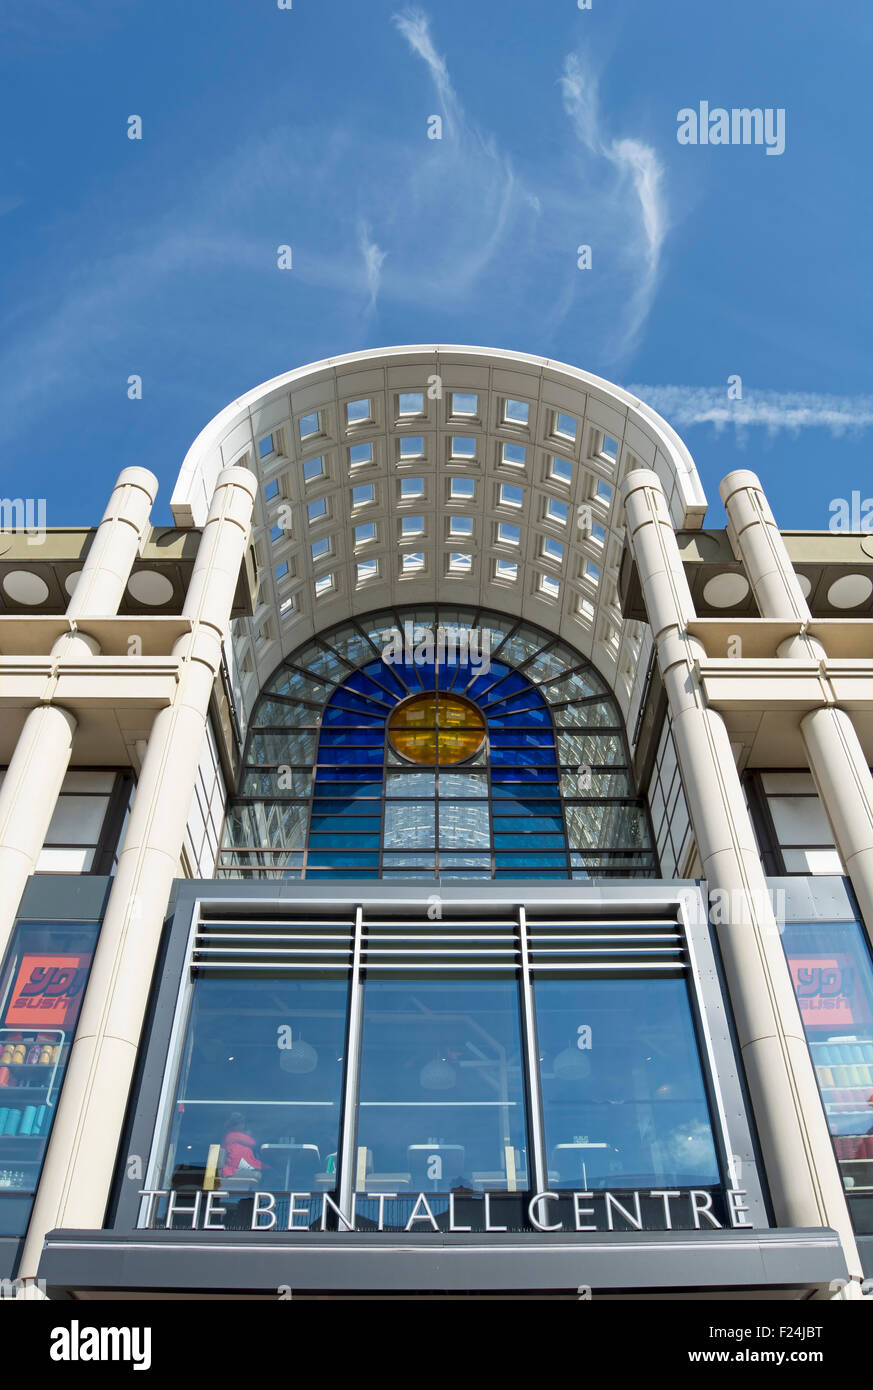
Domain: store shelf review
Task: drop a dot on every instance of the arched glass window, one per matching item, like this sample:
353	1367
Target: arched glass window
437	743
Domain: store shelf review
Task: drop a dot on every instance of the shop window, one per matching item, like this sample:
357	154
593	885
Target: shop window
257	1102
832	973
624	1103
418	1094
441	1106
42	987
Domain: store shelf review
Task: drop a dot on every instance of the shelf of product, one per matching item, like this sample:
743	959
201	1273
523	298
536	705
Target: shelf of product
29	1063
844	1066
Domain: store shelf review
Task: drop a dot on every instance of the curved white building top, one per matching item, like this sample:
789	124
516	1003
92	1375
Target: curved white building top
459	474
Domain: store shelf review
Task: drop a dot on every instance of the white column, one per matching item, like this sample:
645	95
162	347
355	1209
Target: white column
101	585
836	758
81	1156
42	754
753	531
798	1156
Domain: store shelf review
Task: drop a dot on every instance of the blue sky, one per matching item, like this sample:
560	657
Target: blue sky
308	127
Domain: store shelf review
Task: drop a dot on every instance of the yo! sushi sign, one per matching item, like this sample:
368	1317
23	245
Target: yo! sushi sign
47	990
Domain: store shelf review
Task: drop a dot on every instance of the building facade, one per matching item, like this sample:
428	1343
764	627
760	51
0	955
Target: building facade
437	865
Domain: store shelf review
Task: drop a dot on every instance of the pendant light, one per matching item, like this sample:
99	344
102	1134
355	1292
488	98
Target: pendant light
571	1064
438	1075
298	1058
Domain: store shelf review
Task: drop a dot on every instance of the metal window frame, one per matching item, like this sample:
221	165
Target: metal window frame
473	616
200	903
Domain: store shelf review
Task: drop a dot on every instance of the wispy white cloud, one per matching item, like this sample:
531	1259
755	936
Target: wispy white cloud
436	226
462	192
773	411
639	171
415	28
374	259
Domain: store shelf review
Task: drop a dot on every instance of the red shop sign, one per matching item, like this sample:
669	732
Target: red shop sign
48	991
827	990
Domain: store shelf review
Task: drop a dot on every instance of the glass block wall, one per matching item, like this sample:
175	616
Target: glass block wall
436	743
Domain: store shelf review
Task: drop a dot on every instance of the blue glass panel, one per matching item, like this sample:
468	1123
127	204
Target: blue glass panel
416	677
512	806
343	716
523	757
528	824
456	674
361	789
342	841
335	738
329	875
511	684
345	699
364	686
497	670
342	857
386	677
521	795
525	841
347	757
322	823
529	700
348	807
514	738
531	718
542	860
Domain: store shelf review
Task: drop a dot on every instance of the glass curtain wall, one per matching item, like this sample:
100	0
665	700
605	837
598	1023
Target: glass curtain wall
437	744
444	1100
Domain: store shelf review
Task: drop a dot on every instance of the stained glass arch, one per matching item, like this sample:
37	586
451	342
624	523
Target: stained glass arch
437	743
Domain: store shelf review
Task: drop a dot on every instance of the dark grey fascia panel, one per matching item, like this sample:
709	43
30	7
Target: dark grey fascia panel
865	1250
493	894
64	898
75	1262
10	1253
